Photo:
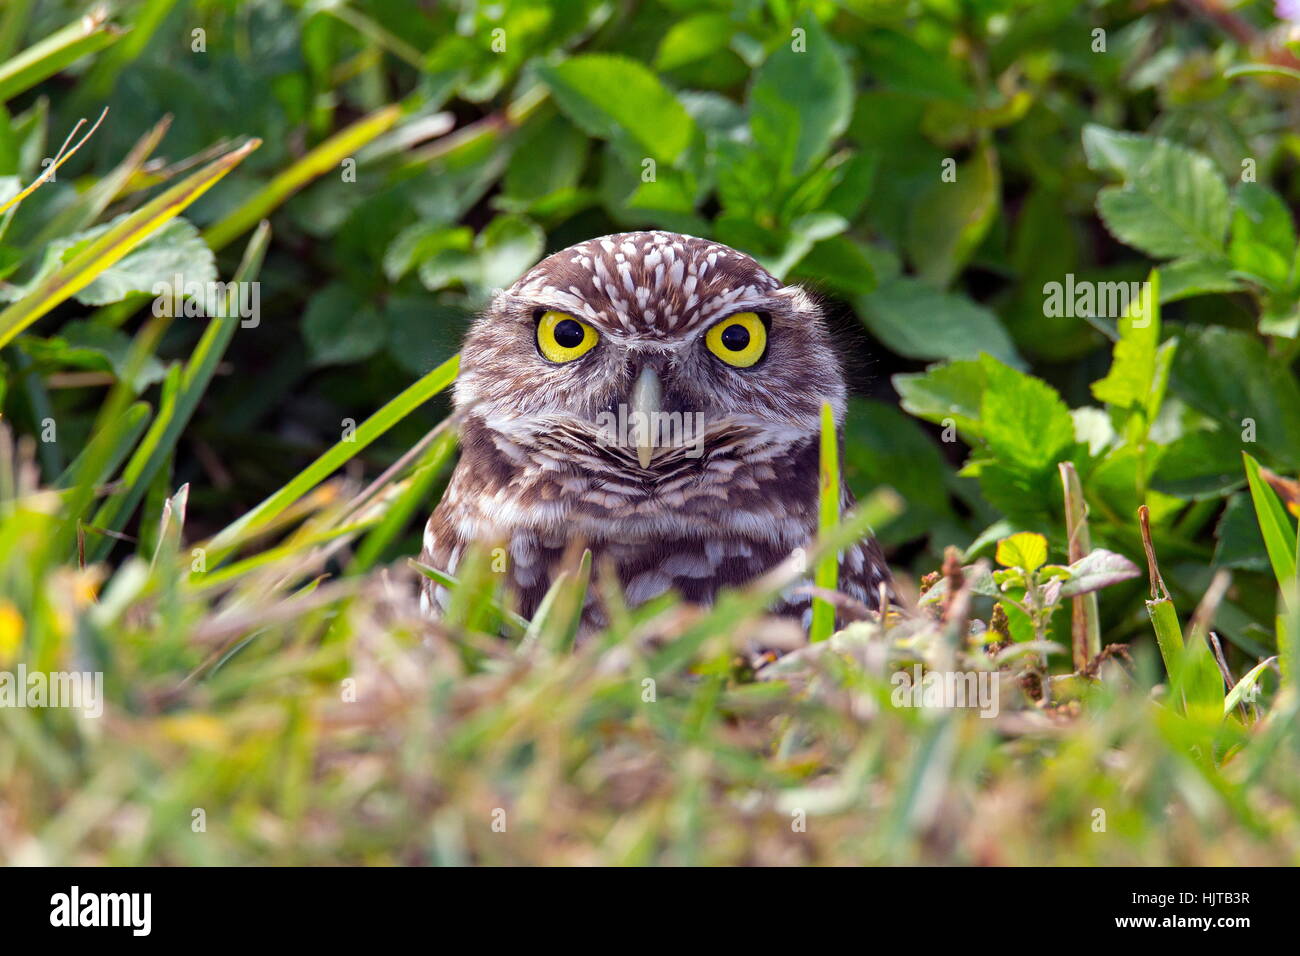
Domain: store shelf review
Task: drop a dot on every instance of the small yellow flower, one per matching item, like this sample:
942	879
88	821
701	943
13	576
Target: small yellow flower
11	633
200	730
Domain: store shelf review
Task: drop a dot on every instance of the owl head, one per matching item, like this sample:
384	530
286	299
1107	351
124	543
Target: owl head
644	324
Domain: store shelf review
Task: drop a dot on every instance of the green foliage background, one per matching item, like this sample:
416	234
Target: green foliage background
414	157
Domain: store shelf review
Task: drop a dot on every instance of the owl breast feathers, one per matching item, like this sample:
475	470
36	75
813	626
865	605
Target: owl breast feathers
655	398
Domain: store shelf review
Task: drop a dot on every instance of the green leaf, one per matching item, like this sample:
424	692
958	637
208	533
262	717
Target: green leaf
112	348
1240	545
1279	534
1025	422
506	249
1114	152
898	61
919	321
1175	204
1263	235
693	38
1026	550
1196	275
950	219
549	155
1205	463
424	241
340	327
809	88
618	99
1229	375
840	262
952	390
1132	382
881	443
1096	570
423	332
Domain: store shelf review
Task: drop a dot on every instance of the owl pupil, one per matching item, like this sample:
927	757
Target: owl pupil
568	334
735	338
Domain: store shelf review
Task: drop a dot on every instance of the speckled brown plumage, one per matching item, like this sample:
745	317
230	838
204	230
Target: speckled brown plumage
537	474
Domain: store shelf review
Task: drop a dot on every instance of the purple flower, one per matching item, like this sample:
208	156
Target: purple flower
1287	10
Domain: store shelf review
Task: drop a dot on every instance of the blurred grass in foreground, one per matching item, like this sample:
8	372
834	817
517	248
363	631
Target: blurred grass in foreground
274	694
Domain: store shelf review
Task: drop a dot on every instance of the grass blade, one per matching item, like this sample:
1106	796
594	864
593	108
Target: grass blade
41	60
373	427
828	516
167	427
325	157
1279	536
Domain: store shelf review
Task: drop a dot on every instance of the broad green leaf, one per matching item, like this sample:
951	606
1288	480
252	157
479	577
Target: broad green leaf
549	155
693	38
1132	377
1026	550
341	327
618	99
1025	422
949	391
949	221
1205	463
424	241
506	249
809	86
1263	235
1196	275
880	443
1240	545
1229	375
1096	570
919	321
1175	204
896	60
85	344
423	331
1114	152
840	262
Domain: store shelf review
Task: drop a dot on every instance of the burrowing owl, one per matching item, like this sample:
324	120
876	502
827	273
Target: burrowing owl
657	398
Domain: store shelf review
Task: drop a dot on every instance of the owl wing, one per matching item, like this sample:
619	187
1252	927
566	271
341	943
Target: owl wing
863	569
442	550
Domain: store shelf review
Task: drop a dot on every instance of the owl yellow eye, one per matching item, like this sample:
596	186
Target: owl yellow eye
562	338
739	340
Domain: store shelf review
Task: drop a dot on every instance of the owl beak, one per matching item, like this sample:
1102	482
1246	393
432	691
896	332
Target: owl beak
647	402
